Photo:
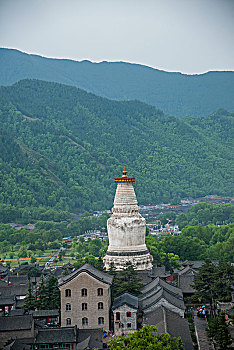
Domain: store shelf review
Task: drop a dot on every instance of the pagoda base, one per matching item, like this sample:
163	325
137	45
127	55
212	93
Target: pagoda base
140	260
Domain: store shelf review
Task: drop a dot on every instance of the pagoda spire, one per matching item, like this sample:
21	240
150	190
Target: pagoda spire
126	229
124	173
124	178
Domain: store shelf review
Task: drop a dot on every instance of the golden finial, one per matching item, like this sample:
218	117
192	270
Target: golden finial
124	173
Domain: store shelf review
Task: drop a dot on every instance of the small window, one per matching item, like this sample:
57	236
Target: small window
84	321
100	292
68	321
100	320
84	292
129	314
84	306
67	292
129	325
100	306
117	316
68	307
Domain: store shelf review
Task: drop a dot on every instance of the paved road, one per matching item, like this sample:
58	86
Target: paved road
54	257
200	327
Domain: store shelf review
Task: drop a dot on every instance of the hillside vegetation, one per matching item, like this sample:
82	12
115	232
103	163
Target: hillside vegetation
175	93
61	147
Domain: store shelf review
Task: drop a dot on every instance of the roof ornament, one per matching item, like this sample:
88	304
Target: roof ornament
124	178
124	173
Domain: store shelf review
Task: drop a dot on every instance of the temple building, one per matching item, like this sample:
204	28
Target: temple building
126	229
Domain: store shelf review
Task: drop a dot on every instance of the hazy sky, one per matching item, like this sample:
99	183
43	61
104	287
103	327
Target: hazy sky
190	36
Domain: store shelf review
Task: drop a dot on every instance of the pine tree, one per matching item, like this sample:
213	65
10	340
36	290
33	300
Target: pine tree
214	283
219	331
29	301
53	293
126	281
42	296
48	295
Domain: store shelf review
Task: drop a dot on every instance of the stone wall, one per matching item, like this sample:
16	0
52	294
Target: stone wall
84	280
121	326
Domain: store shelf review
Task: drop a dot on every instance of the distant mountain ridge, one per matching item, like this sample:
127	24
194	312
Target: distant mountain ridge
174	93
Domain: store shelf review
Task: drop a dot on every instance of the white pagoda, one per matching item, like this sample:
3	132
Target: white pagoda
126	229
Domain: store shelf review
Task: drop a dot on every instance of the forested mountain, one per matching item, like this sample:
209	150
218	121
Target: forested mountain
175	93
62	147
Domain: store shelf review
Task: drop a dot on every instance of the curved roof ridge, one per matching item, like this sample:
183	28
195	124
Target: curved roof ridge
91	270
158	295
125	298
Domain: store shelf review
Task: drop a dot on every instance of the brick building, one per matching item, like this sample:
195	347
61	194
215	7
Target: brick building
86	298
125	310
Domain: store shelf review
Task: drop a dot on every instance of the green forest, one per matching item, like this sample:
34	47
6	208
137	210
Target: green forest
61	148
199	242
205	214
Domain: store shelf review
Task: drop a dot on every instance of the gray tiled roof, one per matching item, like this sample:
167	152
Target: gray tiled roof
170	322
96	337
188	270
160	271
7	301
17	345
196	264
16	280
83	344
3	268
185	282
158	283
56	335
14	323
11	290
44	313
154	299
17	312
88	268
126	298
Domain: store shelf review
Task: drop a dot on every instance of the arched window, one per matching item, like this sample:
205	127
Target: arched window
129	325
84	306
67	292
117	316
100	306
84	292
100	292
129	314
68	307
68	321
100	320
84	321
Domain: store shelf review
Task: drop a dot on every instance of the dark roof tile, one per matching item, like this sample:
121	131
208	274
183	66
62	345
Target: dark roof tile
149	302
170	322
158	283
185	282
126	298
96	337
56	335
13	323
44	313
91	270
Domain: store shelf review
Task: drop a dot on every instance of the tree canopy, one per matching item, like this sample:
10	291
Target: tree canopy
61	148
146	338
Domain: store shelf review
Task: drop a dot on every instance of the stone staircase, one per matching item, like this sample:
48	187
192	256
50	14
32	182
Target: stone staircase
203	341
